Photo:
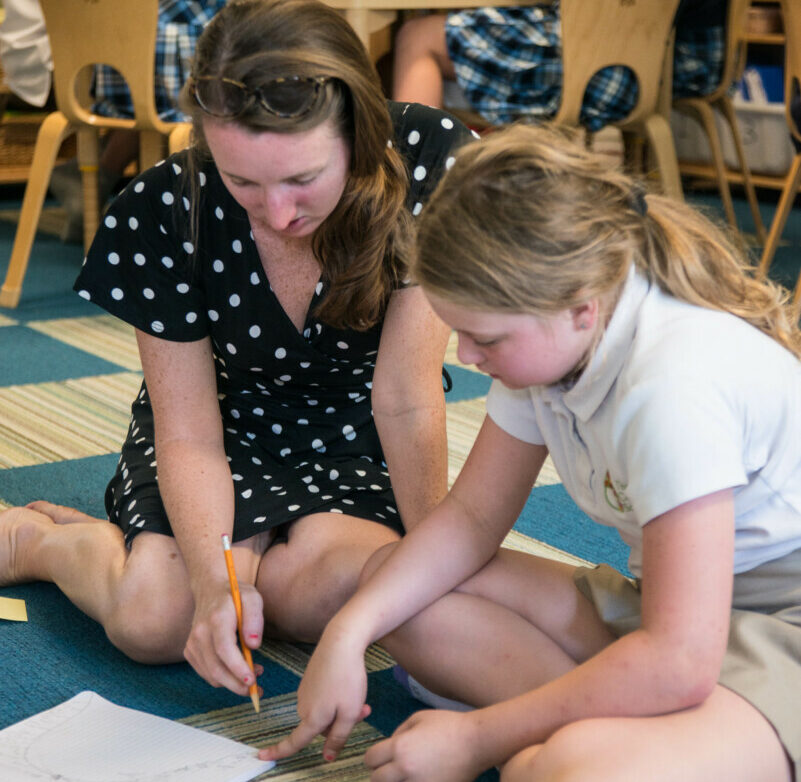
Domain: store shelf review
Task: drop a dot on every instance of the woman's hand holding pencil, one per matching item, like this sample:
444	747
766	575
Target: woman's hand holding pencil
229	563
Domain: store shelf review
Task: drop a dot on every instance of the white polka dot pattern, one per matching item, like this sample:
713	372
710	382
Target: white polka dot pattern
297	420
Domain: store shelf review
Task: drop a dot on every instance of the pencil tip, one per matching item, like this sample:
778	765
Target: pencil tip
255	699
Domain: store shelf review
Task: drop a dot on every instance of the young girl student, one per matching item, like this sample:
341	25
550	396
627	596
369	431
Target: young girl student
627	341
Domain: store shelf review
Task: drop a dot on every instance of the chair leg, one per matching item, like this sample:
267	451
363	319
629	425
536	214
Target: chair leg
727	110
657	129
52	132
780	218
151	148
89	163
704	114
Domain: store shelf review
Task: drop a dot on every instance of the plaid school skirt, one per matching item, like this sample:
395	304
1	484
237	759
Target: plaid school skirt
508	63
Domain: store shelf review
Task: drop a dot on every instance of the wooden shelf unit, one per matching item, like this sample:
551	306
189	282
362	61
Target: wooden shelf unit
706	170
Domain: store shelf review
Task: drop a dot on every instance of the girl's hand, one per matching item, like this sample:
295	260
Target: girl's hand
331	698
212	648
438	745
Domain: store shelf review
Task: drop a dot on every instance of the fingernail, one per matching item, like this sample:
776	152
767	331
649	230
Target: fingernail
329	756
247	679
253	635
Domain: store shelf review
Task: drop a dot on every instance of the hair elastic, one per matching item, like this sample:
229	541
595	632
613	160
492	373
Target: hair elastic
637	201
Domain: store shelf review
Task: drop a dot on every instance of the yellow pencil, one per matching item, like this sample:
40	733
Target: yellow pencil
229	563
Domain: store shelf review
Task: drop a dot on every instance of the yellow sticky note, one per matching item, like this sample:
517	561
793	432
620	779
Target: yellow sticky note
13	609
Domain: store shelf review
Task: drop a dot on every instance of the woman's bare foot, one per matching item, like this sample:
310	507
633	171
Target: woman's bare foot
21	529
62	514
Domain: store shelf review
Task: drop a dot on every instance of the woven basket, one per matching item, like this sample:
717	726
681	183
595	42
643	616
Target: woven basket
18	137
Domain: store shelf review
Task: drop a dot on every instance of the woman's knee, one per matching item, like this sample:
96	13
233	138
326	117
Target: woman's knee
375	561
150	629
151	616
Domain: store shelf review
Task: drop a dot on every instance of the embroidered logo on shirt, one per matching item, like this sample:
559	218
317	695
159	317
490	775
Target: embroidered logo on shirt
615	496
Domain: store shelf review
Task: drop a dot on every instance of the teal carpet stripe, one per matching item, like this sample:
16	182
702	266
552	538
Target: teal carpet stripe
551	516
60	651
466	384
53	359
78	483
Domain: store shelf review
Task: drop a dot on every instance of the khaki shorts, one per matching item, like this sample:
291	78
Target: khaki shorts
763	658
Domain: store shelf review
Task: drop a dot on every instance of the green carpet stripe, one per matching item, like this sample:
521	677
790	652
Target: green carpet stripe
70	419
102	335
277	719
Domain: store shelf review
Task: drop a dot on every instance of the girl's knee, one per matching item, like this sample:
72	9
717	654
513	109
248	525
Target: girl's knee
578	752
519	768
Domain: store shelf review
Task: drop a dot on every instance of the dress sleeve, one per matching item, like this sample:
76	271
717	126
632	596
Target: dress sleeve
427	139
141	266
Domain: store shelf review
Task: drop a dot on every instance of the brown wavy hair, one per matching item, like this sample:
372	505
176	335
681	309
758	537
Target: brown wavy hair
530	220
364	244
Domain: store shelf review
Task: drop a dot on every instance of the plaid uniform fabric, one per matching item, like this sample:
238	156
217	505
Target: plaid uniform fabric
508	62
180	23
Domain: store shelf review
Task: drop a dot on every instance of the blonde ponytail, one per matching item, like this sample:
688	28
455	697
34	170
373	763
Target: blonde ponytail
529	220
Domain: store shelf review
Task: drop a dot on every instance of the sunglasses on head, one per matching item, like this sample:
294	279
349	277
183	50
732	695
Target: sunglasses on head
288	97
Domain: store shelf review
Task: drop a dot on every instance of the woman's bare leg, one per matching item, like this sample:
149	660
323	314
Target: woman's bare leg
87	559
421	61
306	580
725	738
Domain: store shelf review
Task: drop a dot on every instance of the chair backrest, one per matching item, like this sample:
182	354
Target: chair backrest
601	33
734	58
791	13
119	33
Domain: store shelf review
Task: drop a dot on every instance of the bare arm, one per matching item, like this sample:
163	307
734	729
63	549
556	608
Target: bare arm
197	490
409	405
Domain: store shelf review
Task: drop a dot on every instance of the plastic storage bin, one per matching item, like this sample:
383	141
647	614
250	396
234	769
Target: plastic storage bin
762	125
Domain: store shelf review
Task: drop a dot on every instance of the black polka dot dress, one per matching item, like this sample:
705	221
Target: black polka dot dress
298	427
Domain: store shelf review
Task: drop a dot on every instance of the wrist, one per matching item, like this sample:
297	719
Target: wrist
345	631
484	753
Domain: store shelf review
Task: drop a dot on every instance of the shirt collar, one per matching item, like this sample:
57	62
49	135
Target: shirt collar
606	363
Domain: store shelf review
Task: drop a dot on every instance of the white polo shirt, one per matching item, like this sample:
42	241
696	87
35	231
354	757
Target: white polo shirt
677	402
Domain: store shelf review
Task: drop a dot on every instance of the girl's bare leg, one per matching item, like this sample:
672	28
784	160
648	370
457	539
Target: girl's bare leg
515	625
725	738
421	61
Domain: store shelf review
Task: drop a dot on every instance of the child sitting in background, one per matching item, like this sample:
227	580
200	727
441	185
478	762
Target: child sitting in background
628	341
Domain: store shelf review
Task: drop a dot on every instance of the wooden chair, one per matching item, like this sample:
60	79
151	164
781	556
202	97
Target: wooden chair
702	108
791	11
633	33
637	34
83	33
